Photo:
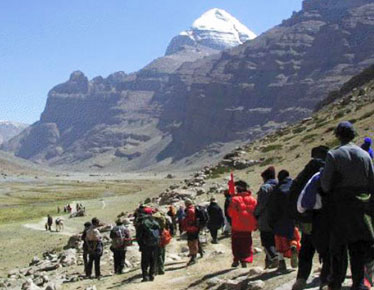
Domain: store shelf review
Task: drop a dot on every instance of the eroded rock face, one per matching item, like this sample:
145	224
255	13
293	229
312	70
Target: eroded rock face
179	106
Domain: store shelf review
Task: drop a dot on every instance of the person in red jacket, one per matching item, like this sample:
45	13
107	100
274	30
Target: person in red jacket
189	225
241	210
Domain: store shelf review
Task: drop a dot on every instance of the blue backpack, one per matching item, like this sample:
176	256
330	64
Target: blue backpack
310	198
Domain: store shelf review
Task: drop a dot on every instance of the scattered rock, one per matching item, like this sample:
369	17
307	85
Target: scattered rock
256	285
255	271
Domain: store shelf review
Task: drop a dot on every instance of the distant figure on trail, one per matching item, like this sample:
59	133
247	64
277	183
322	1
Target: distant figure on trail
227	228
120	236
189	225
59	224
95	248
49	223
313	224
68	208
348	181
241	210
148	238
367	147
262	215
216	219
87	226
287	237
58	209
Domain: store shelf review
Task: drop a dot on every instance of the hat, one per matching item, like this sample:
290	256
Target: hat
345	131
147	210
269	173
188	202
320	152
242	184
367	140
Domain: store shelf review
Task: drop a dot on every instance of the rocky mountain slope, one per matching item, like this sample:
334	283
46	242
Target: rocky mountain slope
10	129
288	148
175	113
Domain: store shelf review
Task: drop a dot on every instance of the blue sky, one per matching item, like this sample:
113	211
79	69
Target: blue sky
43	41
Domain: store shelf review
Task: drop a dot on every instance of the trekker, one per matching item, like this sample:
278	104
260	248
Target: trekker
87	225
95	248
190	226
287	238
49	223
348	181
172	213
313	224
120	236
148	238
165	224
227	228
180	217
216	219
367	147
262	215
241	210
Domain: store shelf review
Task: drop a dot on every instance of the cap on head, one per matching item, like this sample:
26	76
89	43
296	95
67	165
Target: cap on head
367	140
345	131
188	202
269	173
148	210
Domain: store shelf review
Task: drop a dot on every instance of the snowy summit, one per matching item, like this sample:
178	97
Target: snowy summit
215	29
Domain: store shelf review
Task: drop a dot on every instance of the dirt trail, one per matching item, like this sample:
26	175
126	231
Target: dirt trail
40	226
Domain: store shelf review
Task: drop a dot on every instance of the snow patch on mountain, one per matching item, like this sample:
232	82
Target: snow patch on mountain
10	129
215	29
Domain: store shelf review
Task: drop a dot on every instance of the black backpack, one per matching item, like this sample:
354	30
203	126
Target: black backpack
202	216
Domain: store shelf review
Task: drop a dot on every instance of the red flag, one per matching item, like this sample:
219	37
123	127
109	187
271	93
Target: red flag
231	184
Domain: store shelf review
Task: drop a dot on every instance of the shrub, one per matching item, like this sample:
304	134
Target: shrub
298	130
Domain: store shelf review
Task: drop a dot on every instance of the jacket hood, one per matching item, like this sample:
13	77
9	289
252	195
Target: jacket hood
367	140
271	182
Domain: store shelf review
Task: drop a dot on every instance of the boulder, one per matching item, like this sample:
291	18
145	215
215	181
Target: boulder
74	242
256	285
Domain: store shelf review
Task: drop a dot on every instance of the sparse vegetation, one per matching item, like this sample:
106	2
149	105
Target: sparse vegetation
271	148
271	160
309	137
293	147
299	129
217	172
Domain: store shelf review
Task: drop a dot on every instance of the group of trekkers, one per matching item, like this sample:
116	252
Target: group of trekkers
330	202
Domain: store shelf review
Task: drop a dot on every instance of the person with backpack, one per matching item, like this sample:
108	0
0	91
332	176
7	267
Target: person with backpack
180	217
148	238
190	225
348	181
216	219
313	224
87	225
287	237
172	213
94	248
241	211
120	236
165	224
262	216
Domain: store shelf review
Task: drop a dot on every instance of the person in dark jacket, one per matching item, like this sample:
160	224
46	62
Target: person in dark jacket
120	236
49	222
287	241
312	224
148	238
367	147
216	219
87	225
348	181
95	248
262	215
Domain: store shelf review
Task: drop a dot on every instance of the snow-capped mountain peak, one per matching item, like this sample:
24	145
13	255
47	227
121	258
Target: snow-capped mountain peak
215	29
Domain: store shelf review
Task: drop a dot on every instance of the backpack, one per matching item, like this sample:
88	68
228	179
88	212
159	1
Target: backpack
165	238
118	240
151	232
310	198
202	216
93	235
160	219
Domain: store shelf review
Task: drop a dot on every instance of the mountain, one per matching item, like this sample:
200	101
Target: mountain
215	29
10	129
188	108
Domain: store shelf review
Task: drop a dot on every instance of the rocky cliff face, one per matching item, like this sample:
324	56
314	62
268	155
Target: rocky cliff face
10	129
188	105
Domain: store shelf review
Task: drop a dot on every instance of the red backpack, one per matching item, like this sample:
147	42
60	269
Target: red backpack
165	238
